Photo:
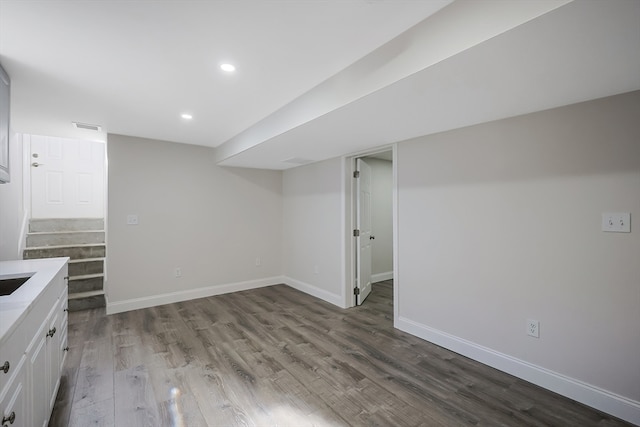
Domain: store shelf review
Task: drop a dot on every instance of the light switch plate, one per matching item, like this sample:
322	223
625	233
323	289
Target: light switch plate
616	222
132	219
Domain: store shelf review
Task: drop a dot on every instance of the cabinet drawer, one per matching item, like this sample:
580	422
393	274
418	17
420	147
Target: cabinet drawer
11	352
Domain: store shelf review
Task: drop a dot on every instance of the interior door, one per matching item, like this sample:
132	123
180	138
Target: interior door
67	178
363	224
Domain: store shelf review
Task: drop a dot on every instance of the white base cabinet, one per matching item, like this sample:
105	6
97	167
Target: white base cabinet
35	351
14	401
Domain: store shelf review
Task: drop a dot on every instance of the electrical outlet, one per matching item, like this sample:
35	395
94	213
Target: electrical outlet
533	328
178	272
132	219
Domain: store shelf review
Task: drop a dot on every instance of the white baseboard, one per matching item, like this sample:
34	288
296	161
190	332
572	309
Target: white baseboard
388	275
155	300
315	291
603	400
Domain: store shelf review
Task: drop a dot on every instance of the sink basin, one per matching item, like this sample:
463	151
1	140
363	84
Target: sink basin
9	286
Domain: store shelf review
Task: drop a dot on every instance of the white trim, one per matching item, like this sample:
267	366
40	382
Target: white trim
603	400
26	173
169	298
381	277
329	297
349	242
25	140
396	236
370	151
105	216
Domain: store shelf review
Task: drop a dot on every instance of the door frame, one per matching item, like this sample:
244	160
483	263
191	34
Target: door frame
349	224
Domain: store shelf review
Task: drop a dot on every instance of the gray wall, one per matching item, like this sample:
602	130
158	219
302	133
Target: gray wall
381	217
501	222
313	229
212	222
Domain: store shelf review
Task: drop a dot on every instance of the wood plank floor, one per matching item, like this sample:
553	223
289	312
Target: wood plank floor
276	356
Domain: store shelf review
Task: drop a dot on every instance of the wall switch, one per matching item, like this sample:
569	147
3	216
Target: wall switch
132	219
533	328
258	261
616	222
178	272
316	270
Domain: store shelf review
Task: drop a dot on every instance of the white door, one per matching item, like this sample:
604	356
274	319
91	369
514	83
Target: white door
67	178
363	224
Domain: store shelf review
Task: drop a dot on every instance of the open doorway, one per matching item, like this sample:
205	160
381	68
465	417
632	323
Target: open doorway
370	252
65	202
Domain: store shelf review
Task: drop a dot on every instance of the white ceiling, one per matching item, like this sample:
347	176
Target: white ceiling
315	79
133	66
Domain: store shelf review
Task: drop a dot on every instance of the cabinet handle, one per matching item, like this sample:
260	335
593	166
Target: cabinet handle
11	418
6	366
51	332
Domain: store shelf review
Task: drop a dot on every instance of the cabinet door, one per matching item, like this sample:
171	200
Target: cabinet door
38	380
55	352
54	355
64	327
14	403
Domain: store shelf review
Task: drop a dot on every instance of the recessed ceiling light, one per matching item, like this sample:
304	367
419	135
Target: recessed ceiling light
228	68
186	116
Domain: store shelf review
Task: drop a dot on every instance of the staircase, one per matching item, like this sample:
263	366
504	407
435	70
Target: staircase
83	241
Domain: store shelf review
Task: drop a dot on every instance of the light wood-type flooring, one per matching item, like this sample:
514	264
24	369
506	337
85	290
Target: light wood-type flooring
278	357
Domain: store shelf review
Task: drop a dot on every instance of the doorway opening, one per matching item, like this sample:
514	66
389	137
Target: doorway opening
65	211
371	212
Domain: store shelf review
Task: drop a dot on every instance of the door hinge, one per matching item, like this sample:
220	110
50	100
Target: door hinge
356	233
356	291
356	174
